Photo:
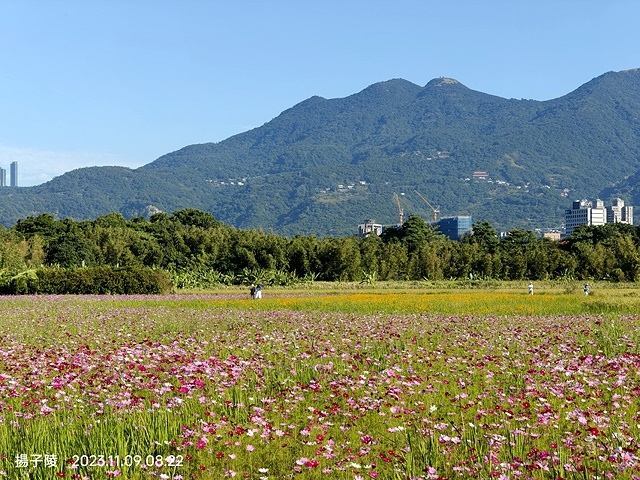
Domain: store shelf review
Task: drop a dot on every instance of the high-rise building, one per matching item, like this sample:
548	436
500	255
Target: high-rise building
3	177
585	212
14	174
455	227
618	213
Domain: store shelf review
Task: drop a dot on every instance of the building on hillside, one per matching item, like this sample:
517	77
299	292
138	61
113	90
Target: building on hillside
369	227
455	227
479	176
3	177
619	213
584	212
14	174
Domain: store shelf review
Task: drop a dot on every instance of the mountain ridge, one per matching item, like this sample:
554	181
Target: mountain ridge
392	136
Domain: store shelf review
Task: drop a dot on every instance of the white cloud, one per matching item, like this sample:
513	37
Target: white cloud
39	166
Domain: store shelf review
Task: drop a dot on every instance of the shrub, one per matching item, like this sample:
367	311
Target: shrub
91	280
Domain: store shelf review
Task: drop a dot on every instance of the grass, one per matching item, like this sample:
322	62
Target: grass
401	381
445	298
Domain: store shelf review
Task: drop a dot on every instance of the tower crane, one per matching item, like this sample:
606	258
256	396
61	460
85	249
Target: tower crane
436	210
400	209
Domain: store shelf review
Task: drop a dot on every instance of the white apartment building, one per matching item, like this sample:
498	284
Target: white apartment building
585	212
369	227
618	213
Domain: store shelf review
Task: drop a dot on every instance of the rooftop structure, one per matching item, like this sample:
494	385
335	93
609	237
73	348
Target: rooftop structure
480	175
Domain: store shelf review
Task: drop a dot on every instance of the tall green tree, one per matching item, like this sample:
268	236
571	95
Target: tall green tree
484	235
340	258
414	233
70	249
514	251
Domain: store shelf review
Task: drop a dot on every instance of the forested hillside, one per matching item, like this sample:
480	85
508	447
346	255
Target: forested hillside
325	165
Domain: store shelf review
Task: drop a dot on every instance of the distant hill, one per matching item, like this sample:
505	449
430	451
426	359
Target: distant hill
325	165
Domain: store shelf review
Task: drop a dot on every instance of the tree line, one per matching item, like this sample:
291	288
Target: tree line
195	250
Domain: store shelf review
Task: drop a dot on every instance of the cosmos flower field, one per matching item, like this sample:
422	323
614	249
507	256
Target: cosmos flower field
207	387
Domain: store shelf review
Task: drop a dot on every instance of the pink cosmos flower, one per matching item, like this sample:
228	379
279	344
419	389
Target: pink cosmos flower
366	439
45	410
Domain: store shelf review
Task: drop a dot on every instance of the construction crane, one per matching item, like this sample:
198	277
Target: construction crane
436	211
400	210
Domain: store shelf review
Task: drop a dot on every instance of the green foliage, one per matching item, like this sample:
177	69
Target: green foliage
484	235
609	252
114	255
44	225
195	218
91	280
70	250
369	278
21	283
340	258
415	231
201	278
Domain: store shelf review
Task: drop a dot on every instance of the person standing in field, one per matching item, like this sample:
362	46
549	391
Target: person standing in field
530	288
258	293
586	289
253	291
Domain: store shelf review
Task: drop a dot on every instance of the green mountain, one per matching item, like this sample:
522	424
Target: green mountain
325	165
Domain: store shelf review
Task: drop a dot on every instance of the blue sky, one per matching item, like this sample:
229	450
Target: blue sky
122	82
